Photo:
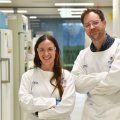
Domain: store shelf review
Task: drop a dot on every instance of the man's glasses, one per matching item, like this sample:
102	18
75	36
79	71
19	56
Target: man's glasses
49	50
93	23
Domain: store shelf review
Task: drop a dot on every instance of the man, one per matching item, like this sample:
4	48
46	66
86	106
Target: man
97	70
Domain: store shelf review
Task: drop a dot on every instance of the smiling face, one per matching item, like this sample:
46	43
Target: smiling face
46	52
94	27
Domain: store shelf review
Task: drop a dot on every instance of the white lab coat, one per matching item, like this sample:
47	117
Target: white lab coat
98	75
35	94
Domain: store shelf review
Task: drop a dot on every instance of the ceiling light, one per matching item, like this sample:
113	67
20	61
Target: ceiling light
33	17
76	13
65	13
72	9
7	11
74	4
21	11
5	1
73	16
70	13
12	11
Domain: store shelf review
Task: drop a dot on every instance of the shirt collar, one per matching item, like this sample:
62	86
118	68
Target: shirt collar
108	42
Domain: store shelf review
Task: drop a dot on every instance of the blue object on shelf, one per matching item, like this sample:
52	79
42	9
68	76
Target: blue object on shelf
3	20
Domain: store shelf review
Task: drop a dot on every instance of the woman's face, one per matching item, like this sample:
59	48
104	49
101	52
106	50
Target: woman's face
46	52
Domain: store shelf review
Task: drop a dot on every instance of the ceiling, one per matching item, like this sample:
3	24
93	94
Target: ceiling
45	8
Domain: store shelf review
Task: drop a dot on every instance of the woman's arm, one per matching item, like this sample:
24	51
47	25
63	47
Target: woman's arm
28	102
66	105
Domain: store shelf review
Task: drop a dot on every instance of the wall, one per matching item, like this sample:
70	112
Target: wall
116	18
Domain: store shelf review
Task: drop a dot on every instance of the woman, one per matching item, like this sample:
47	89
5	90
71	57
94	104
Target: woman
47	91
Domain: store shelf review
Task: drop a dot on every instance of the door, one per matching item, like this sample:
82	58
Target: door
0	93
6	89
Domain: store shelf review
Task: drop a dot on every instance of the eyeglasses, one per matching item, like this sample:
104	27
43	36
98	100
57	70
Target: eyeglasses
49	50
93	23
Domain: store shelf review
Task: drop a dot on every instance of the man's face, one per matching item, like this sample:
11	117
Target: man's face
94	27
